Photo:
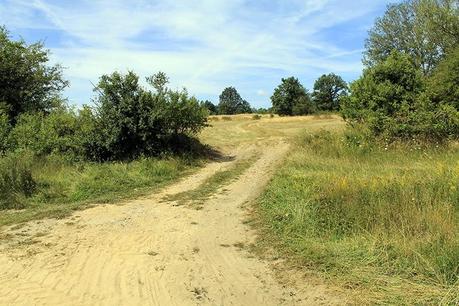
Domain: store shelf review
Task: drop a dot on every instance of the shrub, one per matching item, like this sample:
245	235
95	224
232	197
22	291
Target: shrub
391	100
130	121
16	181
256	117
46	134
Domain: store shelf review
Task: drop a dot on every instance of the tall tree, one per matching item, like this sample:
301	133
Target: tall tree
286	95
27	82
212	108
231	102
424	29
328	90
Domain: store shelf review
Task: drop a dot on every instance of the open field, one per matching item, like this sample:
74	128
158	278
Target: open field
162	249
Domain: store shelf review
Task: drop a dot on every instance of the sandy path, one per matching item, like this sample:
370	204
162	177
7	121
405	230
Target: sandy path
150	252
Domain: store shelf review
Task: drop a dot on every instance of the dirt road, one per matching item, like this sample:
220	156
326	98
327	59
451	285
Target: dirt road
151	251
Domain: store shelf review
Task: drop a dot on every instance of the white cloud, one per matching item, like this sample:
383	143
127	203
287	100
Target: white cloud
200	44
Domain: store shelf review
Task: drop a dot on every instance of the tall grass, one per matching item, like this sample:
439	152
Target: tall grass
52	186
382	222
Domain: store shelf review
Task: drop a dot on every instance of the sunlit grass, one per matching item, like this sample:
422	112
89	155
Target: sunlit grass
63	186
382	223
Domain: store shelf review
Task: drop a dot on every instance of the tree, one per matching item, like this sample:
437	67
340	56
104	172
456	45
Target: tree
27	83
443	85
212	108
328	90
286	95
303	106
424	29
231	103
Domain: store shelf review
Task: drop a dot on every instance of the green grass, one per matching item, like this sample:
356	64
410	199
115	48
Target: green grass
381	223
196	197
59	186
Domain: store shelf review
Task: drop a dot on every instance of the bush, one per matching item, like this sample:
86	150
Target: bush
46	134
16	182
256	117
392	101
130	121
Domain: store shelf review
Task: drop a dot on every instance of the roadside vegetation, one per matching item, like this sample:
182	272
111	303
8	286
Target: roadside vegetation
374	209
54	157
380	222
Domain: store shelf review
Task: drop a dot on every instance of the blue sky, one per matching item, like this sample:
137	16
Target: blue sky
204	46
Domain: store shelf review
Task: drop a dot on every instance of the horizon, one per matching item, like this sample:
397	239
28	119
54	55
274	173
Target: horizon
205	46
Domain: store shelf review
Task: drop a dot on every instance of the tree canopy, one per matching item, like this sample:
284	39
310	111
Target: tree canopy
287	95
232	103
328	90
424	29
212	108
27	82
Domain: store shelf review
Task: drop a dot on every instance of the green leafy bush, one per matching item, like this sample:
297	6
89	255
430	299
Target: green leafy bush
130	121
46	134
392	101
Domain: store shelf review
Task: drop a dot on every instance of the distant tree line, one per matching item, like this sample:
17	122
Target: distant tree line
289	98
292	98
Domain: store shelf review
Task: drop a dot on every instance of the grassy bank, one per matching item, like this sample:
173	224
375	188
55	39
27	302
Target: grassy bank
383	223
33	188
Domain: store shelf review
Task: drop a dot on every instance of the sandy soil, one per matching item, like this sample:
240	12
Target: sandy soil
152	252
